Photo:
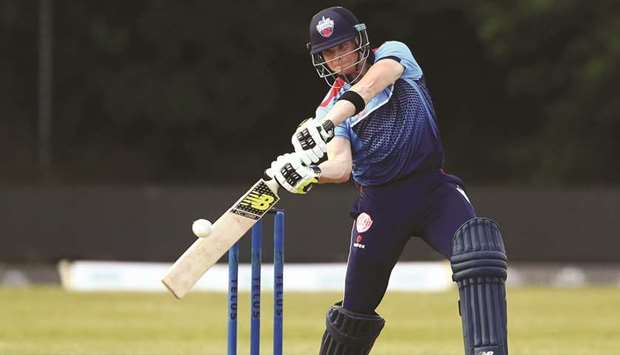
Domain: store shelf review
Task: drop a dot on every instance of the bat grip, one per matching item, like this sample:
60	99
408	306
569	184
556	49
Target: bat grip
269	180
267	176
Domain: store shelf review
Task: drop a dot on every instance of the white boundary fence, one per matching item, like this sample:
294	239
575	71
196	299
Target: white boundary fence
127	276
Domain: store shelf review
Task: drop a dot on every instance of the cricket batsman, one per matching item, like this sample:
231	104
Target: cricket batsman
377	124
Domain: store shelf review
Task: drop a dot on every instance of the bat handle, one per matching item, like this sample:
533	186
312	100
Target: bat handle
268	175
270	181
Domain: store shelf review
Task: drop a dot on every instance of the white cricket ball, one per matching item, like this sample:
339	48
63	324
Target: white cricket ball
201	228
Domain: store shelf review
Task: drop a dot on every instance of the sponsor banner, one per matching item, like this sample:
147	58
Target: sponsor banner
145	277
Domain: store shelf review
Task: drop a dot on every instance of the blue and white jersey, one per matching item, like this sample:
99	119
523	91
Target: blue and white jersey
396	134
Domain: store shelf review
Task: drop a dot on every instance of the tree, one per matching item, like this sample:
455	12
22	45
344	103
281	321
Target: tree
562	57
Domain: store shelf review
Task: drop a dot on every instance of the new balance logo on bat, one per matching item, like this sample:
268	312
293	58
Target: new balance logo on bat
259	202
256	202
486	353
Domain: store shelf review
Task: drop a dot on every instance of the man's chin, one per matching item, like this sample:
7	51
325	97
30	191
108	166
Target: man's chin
348	73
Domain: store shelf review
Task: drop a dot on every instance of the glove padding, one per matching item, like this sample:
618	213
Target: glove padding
292	174
311	138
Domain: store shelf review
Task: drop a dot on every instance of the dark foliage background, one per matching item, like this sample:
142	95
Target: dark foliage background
154	91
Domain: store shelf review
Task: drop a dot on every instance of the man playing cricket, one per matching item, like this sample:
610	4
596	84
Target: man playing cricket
381	126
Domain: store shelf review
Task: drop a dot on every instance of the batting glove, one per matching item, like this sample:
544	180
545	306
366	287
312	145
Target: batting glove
290	172
310	140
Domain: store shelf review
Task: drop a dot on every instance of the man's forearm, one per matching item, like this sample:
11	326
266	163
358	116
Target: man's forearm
334	172
380	75
340	112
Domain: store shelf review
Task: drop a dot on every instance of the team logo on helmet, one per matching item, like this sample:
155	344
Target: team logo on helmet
325	27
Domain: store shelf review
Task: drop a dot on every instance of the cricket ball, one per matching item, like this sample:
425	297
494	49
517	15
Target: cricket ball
201	228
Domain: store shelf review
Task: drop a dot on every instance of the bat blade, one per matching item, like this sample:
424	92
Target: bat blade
226	231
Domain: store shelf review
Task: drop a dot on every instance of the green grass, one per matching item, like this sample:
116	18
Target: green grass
36	321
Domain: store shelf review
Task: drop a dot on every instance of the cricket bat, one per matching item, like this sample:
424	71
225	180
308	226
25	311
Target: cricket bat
226	231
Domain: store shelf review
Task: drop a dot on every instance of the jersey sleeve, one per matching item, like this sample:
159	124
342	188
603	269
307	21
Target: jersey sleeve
343	130
402	54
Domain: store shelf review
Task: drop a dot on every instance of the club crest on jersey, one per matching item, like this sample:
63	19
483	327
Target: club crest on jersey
325	27
363	223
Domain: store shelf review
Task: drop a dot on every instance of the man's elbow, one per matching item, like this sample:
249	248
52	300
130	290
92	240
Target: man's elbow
344	178
345	175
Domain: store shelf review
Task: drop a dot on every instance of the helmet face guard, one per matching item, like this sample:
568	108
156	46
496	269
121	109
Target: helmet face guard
363	51
329	28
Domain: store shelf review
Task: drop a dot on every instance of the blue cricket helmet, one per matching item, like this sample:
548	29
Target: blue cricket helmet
331	27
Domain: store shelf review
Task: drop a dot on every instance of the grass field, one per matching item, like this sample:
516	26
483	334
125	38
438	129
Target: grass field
37	321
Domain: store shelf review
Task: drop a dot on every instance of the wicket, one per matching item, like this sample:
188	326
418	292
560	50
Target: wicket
278	287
